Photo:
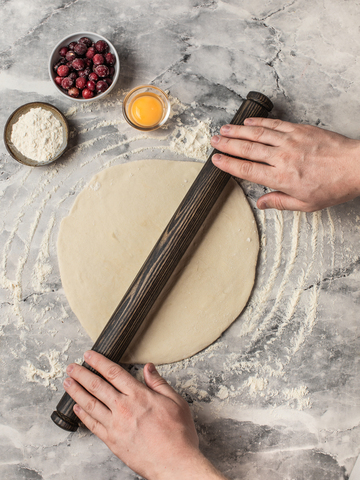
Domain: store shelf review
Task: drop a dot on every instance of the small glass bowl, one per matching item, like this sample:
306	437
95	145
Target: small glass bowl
14	117
143	90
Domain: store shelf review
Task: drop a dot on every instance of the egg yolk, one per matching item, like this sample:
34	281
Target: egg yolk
146	110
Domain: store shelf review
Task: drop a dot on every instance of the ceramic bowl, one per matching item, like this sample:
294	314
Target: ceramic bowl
14	117
55	57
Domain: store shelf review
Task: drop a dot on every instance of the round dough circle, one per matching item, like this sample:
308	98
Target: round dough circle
112	227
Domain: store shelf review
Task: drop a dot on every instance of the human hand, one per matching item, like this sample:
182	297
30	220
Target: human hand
310	168
149	427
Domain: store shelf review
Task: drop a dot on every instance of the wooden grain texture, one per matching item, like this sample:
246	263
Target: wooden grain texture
166	254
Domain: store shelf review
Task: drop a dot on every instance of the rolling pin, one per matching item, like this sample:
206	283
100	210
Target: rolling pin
161	262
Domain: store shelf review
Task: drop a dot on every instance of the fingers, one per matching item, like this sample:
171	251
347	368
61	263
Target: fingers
252	171
282	201
92	384
242	148
93	411
158	384
272	123
258	134
112	372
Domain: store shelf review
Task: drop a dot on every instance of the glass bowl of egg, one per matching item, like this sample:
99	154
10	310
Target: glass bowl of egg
146	108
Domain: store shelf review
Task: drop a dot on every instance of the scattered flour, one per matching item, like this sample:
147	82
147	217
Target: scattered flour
44	377
38	135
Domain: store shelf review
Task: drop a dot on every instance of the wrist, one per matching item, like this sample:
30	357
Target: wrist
192	466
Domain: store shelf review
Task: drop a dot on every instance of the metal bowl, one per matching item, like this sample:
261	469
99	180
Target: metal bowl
55	57
14	117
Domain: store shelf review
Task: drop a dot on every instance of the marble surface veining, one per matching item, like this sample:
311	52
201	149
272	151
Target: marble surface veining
277	396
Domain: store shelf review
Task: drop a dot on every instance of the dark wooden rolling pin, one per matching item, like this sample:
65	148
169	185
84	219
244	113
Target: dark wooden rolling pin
152	277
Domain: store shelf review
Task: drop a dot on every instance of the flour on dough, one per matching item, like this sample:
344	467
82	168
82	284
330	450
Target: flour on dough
112	227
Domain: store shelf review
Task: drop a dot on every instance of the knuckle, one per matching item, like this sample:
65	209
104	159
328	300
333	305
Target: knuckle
258	132
245	169
113	372
276	123
247	148
90	405
95	384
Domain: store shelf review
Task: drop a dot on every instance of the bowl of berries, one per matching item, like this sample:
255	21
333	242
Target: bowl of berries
84	66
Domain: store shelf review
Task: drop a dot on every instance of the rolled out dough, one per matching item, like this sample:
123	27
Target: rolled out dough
112	227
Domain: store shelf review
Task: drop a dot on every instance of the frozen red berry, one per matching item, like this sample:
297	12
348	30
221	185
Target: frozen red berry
101	86
80	82
71	45
91	85
58	80
86	93
90	52
101	46
86	41
73	92
63	71
108	80
80	49
67	83
110	59
70	55
73	76
93	77
98	59
78	64
102	70
63	51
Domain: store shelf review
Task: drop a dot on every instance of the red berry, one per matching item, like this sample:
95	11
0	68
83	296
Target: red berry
63	71
73	76
71	45
63	51
102	70
67	83
78	64
110	59
111	71
101	86
91	85
70	55
101	46
93	77
81	82
58	80
88	62
86	41
80	49
73	92
86	93
108	80
90	52
98	59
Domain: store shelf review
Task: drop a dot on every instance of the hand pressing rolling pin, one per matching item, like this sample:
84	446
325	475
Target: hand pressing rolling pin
310	168
149	427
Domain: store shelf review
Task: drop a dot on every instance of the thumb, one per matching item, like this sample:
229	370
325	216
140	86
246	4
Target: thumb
157	383
281	201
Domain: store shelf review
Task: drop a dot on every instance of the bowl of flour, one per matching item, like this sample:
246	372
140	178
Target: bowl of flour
36	134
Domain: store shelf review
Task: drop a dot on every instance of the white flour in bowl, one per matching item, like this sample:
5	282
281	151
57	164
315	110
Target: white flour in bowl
38	135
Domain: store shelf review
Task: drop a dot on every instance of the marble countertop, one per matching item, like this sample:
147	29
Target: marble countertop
277	396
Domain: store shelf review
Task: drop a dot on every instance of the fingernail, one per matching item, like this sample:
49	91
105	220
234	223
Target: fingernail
70	368
87	355
216	157
76	408
67	382
215	139
249	121
263	206
152	368
225	128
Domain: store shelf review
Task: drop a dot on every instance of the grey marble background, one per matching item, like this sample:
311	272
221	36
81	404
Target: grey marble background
277	396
